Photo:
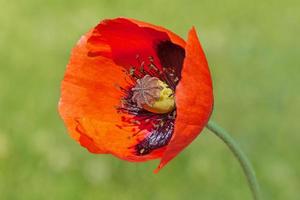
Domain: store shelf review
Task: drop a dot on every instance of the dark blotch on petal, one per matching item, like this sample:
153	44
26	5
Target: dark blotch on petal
171	55
158	138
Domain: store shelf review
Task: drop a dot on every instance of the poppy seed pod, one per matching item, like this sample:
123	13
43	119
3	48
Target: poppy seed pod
136	91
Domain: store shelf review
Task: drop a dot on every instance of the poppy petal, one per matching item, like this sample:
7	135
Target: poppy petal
89	97
130	45
194	99
174	38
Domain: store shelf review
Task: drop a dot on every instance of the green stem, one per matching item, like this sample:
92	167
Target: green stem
239	154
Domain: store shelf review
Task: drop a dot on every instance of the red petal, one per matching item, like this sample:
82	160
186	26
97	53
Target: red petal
174	38
127	41
194	99
88	99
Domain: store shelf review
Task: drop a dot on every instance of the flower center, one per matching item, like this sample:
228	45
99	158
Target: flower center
153	95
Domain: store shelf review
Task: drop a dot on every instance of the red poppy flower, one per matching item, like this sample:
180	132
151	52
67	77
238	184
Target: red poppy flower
136	90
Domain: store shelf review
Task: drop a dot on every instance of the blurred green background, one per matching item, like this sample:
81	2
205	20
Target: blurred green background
254	53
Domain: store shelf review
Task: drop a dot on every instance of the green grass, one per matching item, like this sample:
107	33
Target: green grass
253	51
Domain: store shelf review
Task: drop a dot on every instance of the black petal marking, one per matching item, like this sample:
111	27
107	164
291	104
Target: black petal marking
159	137
171	56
